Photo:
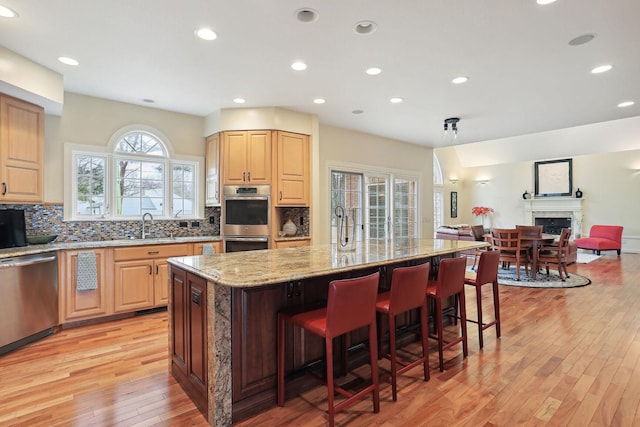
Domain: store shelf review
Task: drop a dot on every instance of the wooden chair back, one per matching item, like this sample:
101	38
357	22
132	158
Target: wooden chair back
506	239
530	230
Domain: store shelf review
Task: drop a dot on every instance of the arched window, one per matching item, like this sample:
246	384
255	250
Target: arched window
136	176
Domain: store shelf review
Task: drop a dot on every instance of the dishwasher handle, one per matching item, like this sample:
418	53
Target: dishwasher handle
23	261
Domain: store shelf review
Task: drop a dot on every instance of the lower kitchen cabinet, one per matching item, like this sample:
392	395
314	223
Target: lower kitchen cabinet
140	275
77	301
189	345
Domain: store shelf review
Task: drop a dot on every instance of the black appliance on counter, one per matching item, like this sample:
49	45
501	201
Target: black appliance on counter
12	228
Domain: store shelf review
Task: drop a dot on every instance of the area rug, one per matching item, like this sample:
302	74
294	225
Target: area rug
586	258
508	277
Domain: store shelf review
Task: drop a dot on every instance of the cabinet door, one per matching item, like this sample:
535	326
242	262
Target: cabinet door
21	150
212	171
292	186
179	320
259	157
161	282
235	158
254	339
76	304
133	283
198	345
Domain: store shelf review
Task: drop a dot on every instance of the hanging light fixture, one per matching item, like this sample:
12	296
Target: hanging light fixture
450	131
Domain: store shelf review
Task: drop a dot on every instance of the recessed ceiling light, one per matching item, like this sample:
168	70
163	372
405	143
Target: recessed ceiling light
626	104
460	79
365	27
357	111
68	61
602	69
206	34
396	100
307	15
543	2
5	12
585	38
319	101
239	100
373	71
299	66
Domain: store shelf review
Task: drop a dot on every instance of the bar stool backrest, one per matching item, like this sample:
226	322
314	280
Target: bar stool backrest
488	267
408	287
351	304
450	279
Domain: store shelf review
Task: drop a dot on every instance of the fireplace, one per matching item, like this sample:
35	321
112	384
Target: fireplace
553	225
555	212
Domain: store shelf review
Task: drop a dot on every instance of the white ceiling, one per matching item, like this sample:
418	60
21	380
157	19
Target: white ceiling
524	77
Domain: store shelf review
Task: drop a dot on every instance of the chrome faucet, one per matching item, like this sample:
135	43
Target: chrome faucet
144	225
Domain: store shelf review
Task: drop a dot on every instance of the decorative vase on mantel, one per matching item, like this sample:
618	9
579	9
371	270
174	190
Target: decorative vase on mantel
578	193
289	228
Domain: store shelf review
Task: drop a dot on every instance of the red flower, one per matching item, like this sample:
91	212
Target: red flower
481	210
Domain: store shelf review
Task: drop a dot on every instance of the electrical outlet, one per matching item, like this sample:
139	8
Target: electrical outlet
301	220
212	219
184	224
195	223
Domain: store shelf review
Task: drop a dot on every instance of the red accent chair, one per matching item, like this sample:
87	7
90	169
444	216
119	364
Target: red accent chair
408	287
450	283
487	275
602	238
351	304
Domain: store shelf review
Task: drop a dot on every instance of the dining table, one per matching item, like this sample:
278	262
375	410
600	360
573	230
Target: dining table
533	243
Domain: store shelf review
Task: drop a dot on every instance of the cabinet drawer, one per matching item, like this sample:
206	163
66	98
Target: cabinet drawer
151	251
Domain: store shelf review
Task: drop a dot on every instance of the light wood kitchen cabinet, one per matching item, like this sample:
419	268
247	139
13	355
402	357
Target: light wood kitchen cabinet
292	169
141	275
217	247
212	166
246	157
292	243
21	151
76	303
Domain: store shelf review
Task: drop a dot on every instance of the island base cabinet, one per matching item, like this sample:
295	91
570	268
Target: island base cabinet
189	338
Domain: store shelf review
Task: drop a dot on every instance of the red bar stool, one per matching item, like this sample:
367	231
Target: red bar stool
450	282
408	287
487	274
350	305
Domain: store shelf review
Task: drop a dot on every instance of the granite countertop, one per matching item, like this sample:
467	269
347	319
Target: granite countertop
264	267
49	247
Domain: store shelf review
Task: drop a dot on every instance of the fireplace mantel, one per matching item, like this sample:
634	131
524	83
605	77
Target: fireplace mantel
549	207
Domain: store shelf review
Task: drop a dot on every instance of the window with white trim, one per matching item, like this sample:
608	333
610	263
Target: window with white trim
137	177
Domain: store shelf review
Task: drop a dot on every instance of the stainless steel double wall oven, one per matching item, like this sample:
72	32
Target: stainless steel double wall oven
246	217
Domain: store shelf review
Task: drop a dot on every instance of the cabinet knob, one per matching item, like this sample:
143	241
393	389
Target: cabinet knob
244	174
248	176
150	269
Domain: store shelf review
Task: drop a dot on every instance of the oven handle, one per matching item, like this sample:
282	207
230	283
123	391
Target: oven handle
246	197
246	239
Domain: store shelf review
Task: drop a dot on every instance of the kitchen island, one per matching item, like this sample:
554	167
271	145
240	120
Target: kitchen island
223	307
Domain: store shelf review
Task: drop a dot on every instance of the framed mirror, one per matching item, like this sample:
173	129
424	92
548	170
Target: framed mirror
554	178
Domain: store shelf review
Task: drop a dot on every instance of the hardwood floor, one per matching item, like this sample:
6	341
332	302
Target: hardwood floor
566	357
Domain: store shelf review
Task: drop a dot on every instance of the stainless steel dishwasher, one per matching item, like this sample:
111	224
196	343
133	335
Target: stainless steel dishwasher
28	299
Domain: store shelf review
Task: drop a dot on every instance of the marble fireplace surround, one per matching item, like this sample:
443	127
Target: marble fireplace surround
555	207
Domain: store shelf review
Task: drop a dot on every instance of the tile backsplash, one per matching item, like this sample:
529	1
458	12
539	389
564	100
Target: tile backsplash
48	219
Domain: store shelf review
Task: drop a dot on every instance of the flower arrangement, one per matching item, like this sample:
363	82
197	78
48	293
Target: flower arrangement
481	210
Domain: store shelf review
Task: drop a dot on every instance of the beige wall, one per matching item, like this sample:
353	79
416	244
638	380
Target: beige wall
92	121
343	146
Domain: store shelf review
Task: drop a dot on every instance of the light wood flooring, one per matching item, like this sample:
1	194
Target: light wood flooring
566	357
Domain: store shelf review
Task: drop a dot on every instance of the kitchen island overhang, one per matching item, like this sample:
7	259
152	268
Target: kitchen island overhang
262	282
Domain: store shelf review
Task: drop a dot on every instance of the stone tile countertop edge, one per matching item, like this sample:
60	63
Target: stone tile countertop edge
50	247
271	266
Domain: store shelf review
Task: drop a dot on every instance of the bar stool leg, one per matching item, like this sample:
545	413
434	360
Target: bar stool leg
496	307
480	324
440	333
463	313
424	332
392	352
373	357
330	387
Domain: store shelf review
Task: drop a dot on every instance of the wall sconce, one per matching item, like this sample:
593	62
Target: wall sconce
454	181
483	182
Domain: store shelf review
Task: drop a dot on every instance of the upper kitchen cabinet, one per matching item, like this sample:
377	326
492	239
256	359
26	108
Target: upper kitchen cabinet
246	157
292	178
212	166
21	151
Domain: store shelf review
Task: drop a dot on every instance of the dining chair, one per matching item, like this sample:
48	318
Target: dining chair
351	304
507	242
478	235
449	283
408	288
487	275
556	253
530	230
